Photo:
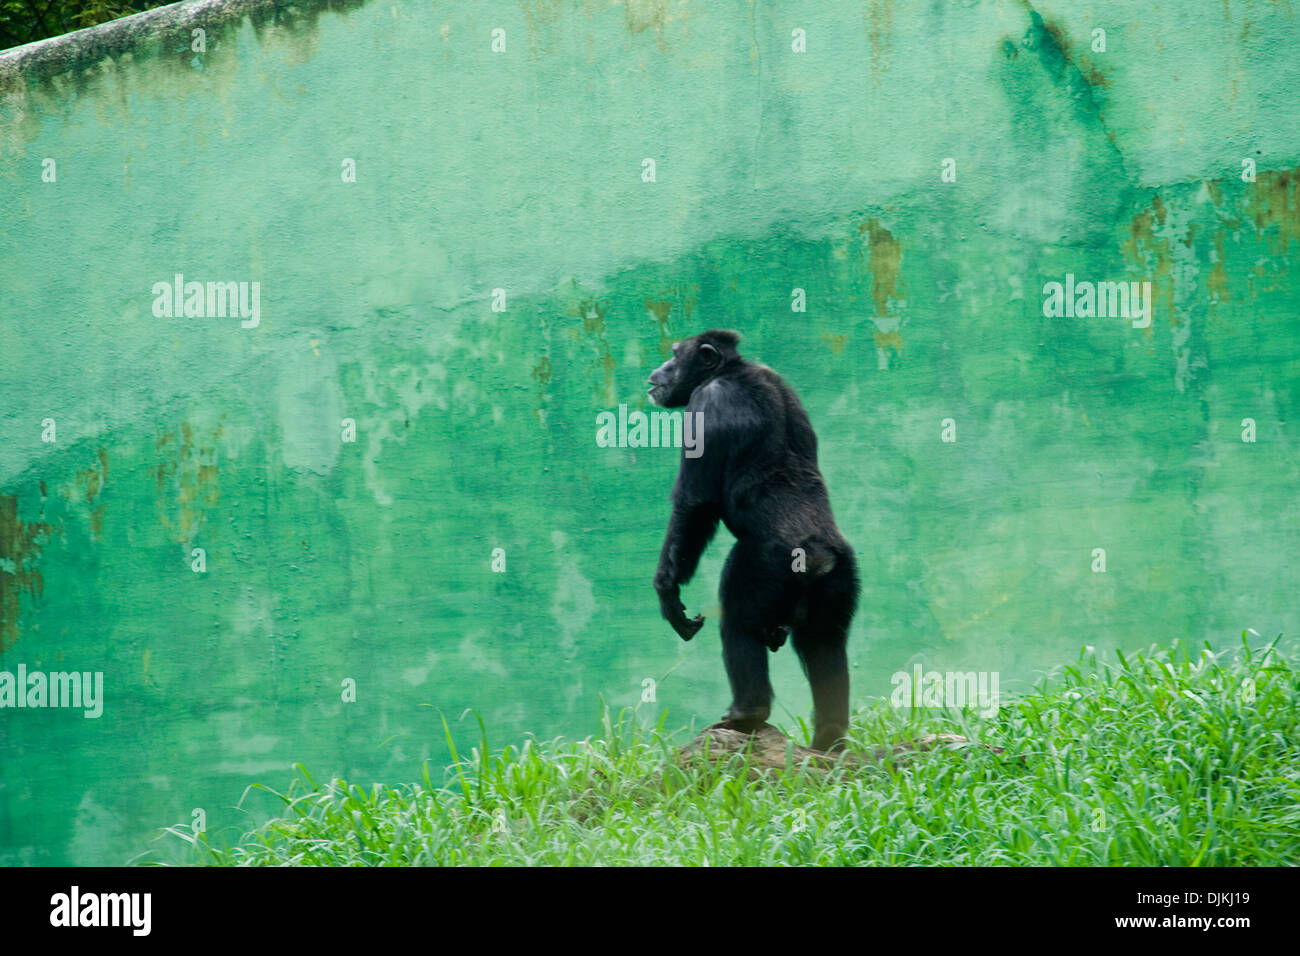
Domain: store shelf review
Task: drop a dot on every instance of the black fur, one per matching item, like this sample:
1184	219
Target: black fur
757	475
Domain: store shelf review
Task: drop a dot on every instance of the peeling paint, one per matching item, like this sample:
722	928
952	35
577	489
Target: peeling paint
1273	204
680	298
89	482
592	314
186	478
1217	281
644	15
541	374
20	550
880	28
1150	256
660	310
837	342
886	258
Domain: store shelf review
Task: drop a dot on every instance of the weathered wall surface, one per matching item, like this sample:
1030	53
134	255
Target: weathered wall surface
522	170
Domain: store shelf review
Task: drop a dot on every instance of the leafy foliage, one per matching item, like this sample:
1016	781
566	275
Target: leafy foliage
26	21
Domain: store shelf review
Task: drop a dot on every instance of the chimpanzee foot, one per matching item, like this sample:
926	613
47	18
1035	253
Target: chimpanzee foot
745	723
829	740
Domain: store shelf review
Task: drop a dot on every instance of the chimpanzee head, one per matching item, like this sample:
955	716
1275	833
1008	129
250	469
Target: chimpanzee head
695	361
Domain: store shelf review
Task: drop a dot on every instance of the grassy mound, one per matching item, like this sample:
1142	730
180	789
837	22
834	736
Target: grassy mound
1165	758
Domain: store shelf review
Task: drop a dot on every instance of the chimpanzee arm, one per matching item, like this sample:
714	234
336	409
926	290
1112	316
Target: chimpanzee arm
690	529
725	425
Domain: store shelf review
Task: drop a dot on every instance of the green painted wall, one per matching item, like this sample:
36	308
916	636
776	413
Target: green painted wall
522	170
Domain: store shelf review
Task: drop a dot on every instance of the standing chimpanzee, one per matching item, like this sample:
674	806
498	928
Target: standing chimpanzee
791	570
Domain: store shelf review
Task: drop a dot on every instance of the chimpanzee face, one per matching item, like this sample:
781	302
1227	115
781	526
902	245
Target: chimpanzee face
694	362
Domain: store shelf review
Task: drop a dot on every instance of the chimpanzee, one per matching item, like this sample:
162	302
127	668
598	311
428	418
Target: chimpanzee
791	571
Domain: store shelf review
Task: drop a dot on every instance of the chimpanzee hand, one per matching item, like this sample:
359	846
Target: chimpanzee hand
685	627
674	612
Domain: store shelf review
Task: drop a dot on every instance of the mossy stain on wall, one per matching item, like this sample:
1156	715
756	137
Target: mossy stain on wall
20	550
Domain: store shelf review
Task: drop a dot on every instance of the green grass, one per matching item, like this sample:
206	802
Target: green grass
1165	758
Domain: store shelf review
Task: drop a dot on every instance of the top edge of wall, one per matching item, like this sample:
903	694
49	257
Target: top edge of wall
82	49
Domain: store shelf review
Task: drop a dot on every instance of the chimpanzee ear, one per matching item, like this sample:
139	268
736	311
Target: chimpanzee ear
709	354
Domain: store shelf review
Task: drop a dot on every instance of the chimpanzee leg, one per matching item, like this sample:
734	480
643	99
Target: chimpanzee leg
750	605
824	655
822	645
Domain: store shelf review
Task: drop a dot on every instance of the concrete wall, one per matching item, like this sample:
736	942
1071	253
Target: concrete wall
522	170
